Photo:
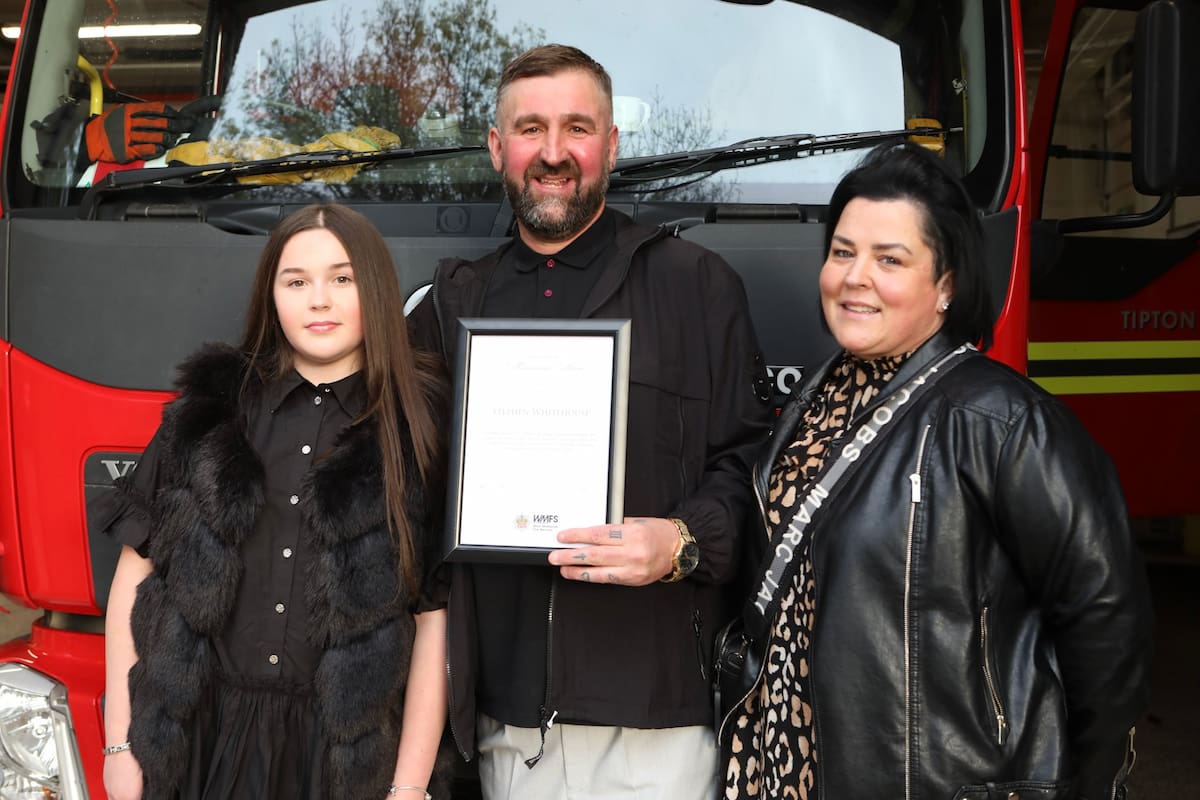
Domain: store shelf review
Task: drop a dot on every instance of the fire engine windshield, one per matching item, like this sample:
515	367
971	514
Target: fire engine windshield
117	85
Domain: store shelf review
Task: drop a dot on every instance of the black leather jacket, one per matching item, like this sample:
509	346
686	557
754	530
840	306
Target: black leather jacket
983	621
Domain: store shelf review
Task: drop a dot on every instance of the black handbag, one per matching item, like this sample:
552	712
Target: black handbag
736	666
737	652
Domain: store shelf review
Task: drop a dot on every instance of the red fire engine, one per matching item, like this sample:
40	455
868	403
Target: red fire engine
736	118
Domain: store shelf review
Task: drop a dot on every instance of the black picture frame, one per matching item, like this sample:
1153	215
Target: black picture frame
491	378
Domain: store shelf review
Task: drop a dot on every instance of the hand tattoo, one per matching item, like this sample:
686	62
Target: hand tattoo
585	576
580	556
614	533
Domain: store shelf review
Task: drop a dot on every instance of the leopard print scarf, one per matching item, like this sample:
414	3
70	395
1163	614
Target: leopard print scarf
772	749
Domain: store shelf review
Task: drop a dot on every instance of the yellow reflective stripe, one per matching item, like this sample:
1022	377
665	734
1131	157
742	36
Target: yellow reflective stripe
1120	384
1116	351
1070	351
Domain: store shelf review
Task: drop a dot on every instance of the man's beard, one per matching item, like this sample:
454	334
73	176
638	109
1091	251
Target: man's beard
555	219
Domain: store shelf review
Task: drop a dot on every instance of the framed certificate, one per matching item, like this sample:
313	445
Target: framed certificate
538	436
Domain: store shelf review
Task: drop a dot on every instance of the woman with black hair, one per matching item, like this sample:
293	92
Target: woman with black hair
949	603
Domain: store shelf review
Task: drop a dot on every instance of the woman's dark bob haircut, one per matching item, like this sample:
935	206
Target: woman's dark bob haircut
949	224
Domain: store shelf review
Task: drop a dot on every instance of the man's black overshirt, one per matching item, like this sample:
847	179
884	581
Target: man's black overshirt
512	602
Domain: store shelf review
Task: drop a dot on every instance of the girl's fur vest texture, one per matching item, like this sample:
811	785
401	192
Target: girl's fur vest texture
210	495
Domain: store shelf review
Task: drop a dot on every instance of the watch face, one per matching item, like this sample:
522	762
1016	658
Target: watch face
689	557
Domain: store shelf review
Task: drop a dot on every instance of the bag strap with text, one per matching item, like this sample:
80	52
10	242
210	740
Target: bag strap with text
776	569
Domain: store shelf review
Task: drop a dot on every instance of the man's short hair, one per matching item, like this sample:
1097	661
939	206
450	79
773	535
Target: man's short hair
551	59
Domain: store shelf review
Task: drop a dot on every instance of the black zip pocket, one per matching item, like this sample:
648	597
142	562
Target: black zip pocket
989	679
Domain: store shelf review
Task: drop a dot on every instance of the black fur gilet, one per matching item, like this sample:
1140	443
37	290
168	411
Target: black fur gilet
211	493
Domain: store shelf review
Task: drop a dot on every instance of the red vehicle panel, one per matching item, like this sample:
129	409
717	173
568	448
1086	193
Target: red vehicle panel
57	422
1113	319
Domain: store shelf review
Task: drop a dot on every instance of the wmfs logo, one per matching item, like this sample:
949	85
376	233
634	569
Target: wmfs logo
536	521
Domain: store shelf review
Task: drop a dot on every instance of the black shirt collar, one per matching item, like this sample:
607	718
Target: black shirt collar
350	392
578	254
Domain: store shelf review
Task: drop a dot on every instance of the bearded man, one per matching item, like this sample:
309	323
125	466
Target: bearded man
588	677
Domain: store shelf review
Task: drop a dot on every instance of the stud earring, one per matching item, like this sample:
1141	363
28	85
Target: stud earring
945	306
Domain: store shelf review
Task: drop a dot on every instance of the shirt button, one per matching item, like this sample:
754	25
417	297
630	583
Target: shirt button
549	293
294	499
279	608
287	552
328	390
550	263
306	449
274	659
316	401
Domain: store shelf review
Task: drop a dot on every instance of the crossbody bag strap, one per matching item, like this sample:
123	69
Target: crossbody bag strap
777	564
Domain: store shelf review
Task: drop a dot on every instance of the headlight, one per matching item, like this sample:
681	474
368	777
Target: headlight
38	756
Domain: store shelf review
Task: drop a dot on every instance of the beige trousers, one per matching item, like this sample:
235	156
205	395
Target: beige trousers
590	762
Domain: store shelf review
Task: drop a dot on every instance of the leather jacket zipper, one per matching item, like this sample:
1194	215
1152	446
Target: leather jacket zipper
545	715
915	483
1122	775
989	678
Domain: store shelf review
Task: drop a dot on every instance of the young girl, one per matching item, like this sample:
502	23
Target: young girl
271	629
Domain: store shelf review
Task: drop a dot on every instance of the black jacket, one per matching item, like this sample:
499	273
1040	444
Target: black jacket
697	412
210	494
983	621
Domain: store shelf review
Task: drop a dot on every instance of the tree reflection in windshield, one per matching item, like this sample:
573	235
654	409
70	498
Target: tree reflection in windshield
428	72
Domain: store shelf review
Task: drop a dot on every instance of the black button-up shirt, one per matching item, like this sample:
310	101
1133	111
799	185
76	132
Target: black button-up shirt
511	602
528	284
291	425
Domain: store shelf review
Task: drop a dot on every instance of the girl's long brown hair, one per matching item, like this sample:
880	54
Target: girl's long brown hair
396	376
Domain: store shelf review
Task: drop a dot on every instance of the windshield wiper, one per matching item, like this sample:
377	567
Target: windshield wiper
749	152
228	172
195	175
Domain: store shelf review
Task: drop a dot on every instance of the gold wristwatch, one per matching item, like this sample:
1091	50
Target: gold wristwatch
687	555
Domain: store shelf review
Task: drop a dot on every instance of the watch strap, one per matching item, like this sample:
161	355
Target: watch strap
678	572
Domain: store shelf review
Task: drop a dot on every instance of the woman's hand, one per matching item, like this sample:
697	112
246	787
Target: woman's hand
122	776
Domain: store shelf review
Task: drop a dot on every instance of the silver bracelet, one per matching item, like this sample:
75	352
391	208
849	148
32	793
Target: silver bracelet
116	748
394	789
